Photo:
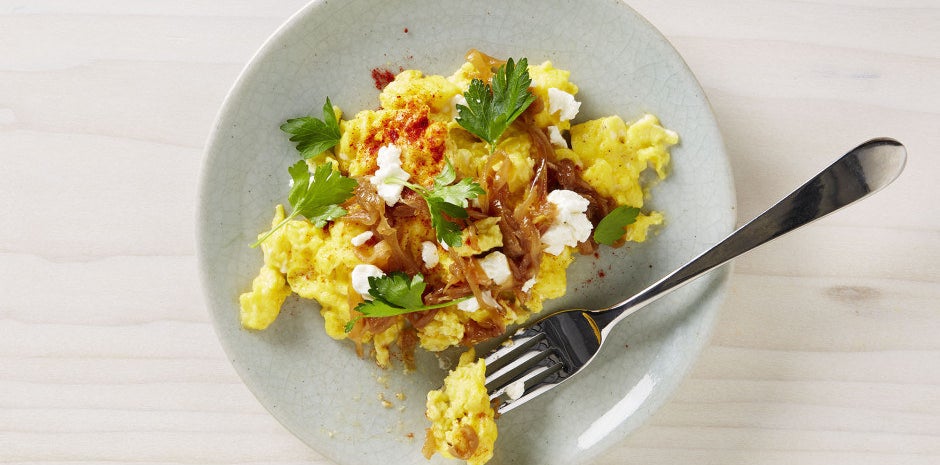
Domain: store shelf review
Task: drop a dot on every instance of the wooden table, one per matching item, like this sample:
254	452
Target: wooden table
827	350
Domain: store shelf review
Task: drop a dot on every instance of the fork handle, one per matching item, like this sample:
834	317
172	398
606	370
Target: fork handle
857	174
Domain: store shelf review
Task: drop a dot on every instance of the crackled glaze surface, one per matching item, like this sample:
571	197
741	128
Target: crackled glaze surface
622	66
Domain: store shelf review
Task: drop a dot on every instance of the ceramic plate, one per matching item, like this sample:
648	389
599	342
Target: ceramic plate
317	387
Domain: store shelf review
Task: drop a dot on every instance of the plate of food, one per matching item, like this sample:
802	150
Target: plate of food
389	184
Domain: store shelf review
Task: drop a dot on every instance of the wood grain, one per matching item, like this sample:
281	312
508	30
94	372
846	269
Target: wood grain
827	350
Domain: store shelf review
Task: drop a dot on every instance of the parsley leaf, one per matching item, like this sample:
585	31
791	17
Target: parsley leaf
397	290
491	109
395	294
318	198
314	136
446	231
448	199
611	228
447	175
455	194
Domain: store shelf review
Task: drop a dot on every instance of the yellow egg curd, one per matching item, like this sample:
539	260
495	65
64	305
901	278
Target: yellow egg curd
462	420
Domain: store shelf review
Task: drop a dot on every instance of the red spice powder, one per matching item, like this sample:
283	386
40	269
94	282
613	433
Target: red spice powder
382	77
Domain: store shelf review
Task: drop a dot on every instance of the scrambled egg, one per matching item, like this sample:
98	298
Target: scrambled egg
417	115
462	420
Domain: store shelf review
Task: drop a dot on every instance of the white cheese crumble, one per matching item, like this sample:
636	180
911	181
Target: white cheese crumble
361	239
360	278
554	135
470	305
515	390
528	285
559	100
458	99
571	225
496	267
389	161
429	254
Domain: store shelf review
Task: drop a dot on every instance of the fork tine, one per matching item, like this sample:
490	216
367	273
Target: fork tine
509	403
528	380
507	353
517	367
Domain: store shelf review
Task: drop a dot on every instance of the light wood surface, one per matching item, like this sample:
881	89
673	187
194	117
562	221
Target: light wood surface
827	350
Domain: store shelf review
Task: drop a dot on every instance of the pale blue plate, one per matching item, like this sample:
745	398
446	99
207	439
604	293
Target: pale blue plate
316	386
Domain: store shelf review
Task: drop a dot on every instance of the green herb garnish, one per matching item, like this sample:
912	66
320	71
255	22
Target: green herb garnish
314	136
491	109
317	198
611	228
447	199
395	294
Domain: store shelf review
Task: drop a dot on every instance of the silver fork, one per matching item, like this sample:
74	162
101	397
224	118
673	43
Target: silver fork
551	350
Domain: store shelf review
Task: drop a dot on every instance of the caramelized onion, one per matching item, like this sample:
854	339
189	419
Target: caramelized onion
466	445
356	334
471	273
365	207
519	218
378	255
484	64
420	319
450	291
407	342
475	331
369	209
375	325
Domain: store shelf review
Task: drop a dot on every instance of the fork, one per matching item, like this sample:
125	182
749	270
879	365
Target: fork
552	349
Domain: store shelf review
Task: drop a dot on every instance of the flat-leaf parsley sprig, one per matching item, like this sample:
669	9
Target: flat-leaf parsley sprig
610	229
492	108
318	198
396	294
445	198
314	136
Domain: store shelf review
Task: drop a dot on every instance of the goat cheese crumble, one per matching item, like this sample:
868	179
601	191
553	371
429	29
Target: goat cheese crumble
360	278
360	239
554	135
429	254
496	267
559	100
389	161
571	225
515	390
